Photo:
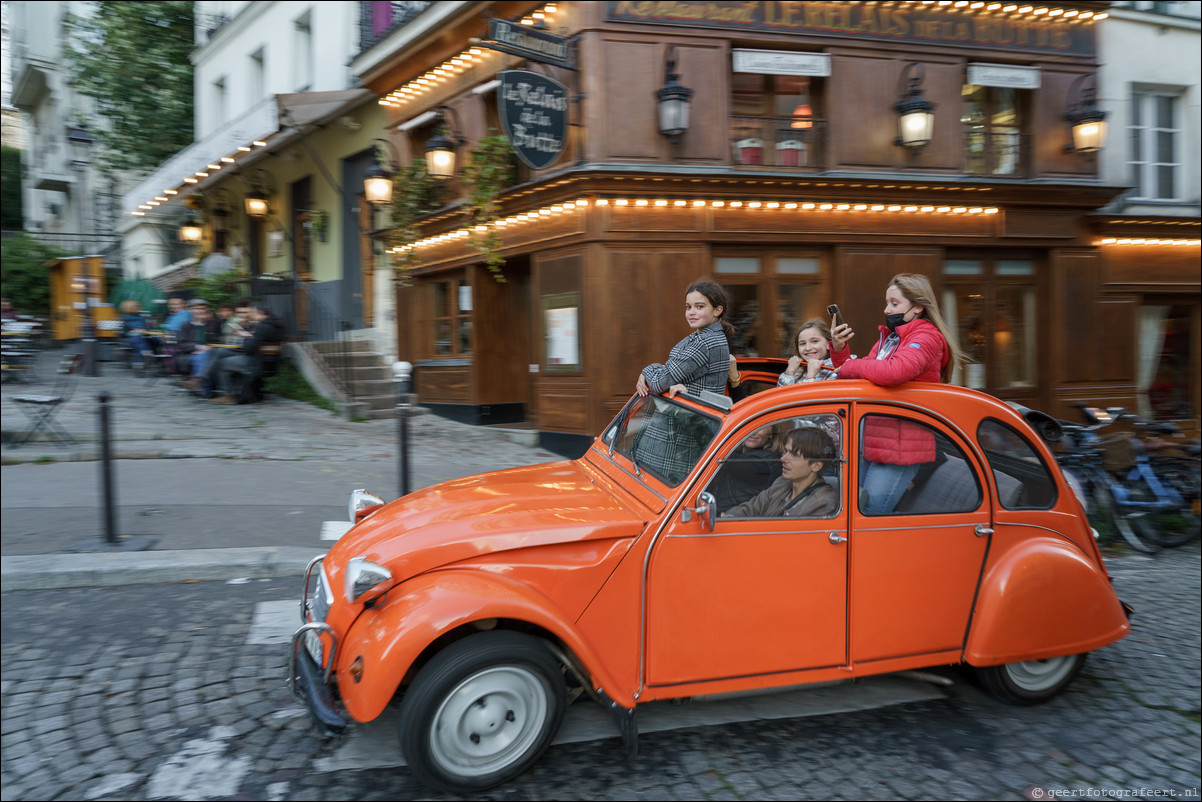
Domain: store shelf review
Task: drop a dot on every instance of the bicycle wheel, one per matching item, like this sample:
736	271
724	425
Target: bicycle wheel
1146	540
1181	523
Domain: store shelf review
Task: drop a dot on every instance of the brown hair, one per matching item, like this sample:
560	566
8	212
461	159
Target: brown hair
916	288
130	306
812	443
713	291
818	324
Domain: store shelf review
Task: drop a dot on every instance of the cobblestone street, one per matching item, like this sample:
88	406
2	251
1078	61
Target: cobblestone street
103	701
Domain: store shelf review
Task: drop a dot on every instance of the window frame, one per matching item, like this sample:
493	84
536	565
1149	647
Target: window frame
987	281
1142	160
454	317
767	281
1023	103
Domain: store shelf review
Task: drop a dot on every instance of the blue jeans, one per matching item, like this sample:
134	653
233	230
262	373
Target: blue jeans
883	484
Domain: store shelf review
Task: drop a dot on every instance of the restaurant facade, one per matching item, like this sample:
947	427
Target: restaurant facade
799	178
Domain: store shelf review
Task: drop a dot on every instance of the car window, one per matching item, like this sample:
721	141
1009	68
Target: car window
790	468
910	468
1022	478
662	437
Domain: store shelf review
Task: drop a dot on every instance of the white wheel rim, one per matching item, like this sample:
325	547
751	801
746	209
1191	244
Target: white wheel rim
489	721
1040	675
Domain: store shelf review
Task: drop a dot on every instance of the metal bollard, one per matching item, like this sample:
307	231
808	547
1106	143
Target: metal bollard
106	468
401	376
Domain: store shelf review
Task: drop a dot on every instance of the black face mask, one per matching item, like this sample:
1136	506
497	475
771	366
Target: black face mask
893	321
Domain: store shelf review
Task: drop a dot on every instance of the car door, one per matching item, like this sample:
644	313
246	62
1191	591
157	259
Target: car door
915	567
752	596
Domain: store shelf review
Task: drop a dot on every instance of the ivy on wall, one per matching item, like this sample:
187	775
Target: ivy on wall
489	172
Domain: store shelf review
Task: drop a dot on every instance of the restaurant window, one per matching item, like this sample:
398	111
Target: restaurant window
776	120
1168	358
992	118
452	317
990	304
1155	141
770	296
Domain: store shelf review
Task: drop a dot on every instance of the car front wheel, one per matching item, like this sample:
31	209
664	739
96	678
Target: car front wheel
1030	682
481	712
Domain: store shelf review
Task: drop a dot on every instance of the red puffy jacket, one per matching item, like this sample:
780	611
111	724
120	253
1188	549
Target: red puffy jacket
920	356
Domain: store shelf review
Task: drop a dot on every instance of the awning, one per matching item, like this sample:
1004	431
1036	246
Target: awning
280	119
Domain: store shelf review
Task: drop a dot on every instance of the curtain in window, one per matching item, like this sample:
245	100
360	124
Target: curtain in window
1151	343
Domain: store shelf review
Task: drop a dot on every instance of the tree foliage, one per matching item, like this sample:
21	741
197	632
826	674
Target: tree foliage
24	275
222	288
11	210
133	58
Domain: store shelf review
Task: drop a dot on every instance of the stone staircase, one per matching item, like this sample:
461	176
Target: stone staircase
371	389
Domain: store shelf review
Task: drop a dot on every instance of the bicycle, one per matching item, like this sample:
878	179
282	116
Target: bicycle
1152	503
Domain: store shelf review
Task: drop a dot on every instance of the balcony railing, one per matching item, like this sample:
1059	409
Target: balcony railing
1003	154
379	19
789	142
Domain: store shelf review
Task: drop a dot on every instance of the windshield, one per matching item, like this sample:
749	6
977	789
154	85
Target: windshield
661	436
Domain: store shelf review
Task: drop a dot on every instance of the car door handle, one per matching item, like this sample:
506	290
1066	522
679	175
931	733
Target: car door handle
836	538
982	530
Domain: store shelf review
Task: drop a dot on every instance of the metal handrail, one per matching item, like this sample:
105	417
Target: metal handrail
323	324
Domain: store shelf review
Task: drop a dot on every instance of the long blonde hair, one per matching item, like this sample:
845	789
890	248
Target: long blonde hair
916	288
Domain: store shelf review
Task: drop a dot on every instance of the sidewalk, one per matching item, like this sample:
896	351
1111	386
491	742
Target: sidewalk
219	492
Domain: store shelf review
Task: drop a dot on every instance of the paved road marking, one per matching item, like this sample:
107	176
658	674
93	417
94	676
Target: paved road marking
374	745
201	769
333	530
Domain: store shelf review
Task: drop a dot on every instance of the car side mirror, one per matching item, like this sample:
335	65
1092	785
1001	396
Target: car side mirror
706	505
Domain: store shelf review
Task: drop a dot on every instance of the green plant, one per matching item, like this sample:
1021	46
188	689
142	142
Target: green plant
289	383
489	172
24	274
221	288
414	195
320	221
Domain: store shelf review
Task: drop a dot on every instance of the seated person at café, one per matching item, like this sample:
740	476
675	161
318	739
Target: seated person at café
194	341
237	370
800	492
135	328
235	328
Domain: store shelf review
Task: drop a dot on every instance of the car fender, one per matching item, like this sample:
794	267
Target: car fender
1043	598
392	636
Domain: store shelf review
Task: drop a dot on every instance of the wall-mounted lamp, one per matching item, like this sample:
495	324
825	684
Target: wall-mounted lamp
440	150
219	208
377	180
261	184
915	114
190	231
1087	121
673	102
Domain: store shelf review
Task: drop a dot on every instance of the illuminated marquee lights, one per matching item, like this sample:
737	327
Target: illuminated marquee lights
464	61
643	203
188	181
1147	241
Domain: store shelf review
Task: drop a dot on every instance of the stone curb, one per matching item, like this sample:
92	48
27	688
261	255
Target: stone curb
104	569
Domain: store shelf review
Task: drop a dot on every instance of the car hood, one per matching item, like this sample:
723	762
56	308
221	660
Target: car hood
518	508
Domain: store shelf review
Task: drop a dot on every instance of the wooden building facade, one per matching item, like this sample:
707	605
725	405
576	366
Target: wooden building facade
789	187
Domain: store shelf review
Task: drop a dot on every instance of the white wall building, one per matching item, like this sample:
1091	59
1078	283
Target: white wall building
1149	88
246	54
64	203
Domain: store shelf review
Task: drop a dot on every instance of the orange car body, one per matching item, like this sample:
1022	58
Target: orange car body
648	600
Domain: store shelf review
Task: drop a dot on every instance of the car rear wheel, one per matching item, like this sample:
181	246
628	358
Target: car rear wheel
481	712
1030	682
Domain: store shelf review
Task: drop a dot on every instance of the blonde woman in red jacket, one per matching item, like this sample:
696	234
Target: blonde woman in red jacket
915	344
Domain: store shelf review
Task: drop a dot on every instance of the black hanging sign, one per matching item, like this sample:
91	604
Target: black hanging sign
531	43
534	115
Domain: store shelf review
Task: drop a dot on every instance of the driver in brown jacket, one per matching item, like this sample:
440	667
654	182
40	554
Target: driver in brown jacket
800	492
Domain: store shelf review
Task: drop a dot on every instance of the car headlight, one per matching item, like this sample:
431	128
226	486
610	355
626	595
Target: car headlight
361	500
365	580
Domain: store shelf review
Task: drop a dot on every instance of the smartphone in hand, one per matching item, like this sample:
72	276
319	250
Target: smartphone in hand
833	311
